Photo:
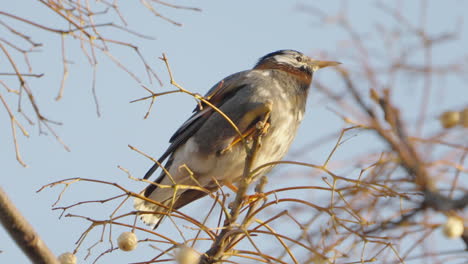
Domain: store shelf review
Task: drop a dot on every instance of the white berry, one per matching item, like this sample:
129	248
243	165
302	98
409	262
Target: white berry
67	258
453	228
187	255
127	241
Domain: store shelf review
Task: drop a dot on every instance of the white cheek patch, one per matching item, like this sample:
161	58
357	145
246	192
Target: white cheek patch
285	60
315	68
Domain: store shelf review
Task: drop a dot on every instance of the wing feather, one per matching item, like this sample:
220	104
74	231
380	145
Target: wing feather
217	95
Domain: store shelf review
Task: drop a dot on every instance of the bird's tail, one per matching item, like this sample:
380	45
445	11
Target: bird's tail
153	214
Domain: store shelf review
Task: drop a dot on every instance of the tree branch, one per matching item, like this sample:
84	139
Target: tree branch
230	232
23	233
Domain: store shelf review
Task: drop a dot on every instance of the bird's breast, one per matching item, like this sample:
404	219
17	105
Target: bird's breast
284	122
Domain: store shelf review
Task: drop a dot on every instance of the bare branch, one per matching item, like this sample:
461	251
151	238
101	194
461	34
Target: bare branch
23	233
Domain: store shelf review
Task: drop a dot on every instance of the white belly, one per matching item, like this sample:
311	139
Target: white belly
274	145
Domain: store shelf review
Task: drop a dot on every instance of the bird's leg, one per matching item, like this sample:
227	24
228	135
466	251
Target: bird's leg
257	130
236	140
262	127
261	113
248	198
254	197
231	186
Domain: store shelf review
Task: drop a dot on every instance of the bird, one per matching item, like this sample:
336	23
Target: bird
207	151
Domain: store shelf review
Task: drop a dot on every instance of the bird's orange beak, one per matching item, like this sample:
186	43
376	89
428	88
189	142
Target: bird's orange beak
323	64
316	64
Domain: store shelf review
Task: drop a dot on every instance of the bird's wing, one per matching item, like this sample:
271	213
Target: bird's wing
210	133
217	95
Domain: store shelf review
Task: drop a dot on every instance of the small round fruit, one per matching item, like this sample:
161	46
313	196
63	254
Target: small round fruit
187	255
453	228
67	258
127	241
449	119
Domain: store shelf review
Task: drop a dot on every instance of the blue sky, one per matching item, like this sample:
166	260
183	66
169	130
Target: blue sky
226	37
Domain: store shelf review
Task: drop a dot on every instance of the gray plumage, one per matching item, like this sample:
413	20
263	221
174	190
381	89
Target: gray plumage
277	81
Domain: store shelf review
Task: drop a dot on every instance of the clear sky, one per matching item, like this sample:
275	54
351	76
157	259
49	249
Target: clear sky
226	37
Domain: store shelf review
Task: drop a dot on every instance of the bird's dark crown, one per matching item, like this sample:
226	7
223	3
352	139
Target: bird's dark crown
290	61
284	52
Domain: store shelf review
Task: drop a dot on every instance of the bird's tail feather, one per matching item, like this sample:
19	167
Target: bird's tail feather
153	214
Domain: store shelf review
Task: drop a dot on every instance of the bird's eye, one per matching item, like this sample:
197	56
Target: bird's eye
299	59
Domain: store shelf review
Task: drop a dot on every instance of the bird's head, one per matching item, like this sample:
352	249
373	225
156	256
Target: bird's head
293	62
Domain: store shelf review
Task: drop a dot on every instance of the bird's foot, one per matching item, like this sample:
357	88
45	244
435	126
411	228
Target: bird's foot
254	197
